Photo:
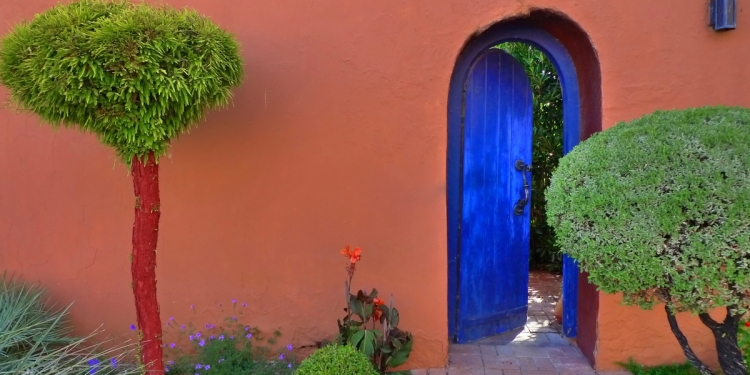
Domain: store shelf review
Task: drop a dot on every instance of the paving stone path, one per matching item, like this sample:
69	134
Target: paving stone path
536	349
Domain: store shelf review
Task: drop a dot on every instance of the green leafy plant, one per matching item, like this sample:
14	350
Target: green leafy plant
657	209
226	349
675	369
336	359
383	342
743	338
35	338
546	149
137	76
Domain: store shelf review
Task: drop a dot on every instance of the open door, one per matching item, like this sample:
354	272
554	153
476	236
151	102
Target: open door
493	256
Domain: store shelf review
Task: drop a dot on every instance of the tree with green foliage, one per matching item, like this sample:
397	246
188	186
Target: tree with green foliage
657	209
546	148
136	76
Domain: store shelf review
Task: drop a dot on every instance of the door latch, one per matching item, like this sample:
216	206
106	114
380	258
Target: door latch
521	203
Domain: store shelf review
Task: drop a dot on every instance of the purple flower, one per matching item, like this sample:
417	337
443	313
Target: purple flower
132	327
172	345
182	327
234	301
166	369
207	367
221	360
281	356
198	366
289	365
244	304
113	362
234	318
249	335
171	318
191	337
202	343
192	307
94	364
212	337
231	337
198	335
170	363
247	328
221	337
289	347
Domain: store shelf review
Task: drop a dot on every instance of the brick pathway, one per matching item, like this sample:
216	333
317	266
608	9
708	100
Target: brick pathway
536	349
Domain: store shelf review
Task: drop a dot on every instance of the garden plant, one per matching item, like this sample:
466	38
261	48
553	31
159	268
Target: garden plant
657	209
35	338
228	348
382	341
335	359
136	76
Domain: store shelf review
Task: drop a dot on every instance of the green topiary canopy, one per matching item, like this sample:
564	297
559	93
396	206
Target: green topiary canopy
659	208
135	75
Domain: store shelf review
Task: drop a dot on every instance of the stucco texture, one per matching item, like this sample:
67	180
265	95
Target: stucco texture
337	136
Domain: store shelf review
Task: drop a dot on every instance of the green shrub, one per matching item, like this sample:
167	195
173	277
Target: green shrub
336	360
226	349
638	369
657	209
743	337
35	338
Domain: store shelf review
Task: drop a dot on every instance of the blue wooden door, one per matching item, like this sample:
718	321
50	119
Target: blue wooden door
494	246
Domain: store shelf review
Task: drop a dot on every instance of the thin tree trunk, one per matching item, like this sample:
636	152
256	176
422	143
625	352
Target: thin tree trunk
725	335
689	353
143	267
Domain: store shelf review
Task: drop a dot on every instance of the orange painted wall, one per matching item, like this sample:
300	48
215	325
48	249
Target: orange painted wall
338	136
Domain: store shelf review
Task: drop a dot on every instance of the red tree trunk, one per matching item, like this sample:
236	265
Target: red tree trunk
143	267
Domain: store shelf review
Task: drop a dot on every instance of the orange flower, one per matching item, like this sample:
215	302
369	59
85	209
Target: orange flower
377	312
353	255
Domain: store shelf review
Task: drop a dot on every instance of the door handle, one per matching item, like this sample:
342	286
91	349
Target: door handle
521	203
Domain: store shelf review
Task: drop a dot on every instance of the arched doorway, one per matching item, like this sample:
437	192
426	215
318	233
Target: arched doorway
574	58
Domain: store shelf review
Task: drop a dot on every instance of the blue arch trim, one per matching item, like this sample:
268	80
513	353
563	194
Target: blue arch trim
566	70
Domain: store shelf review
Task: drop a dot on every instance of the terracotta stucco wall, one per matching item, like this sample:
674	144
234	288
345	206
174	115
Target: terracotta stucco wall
338	136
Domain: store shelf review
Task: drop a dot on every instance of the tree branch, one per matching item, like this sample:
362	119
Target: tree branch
709	321
689	353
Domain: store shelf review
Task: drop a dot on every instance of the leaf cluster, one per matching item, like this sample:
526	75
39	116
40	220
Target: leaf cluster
384	343
35	338
336	359
657	208
135	75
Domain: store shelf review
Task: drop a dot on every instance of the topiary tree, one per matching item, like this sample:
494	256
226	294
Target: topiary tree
336	360
136	76
657	209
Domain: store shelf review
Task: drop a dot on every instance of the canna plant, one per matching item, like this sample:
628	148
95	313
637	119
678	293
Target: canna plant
137	76
383	342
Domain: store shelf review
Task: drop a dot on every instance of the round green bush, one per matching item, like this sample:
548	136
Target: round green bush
336	360
136	75
659	208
